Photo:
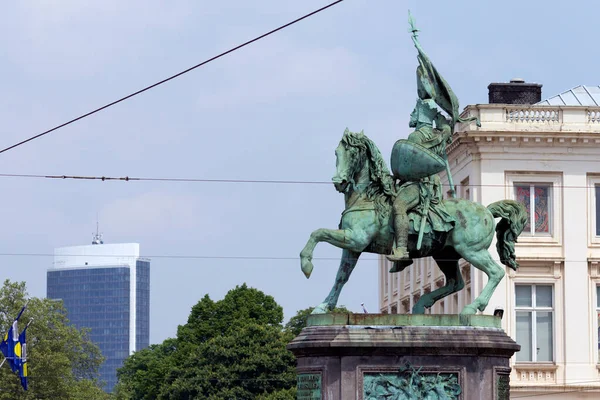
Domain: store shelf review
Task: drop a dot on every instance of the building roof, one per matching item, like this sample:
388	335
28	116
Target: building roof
581	95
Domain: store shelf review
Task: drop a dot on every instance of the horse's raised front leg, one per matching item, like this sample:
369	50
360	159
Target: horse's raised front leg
347	264
342	238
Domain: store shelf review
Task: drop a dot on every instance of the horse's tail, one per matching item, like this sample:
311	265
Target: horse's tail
514	217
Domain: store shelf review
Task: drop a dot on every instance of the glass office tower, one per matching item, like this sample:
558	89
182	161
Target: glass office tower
105	287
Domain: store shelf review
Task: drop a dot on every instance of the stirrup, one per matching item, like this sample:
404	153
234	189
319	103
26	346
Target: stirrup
398	254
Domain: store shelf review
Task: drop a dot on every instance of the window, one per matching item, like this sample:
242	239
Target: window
386	275
416	297
455	303
597	194
593	200
537	198
534	315
465	189
405	306
598	314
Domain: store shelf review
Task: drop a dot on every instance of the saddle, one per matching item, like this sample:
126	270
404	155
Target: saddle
430	241
431	237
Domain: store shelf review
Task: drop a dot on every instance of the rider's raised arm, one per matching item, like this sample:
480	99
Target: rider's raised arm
442	124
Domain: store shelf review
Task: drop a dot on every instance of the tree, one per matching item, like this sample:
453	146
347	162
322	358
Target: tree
251	359
283	394
297	322
62	362
233	348
144	372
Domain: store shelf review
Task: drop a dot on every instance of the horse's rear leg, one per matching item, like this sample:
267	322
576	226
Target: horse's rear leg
448	263
347	264
483	261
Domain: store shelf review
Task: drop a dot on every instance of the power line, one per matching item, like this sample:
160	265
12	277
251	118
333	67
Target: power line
221	257
140	179
178	256
172	77
264	181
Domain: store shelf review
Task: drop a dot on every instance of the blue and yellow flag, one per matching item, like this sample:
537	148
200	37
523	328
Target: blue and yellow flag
21	353
4	348
9	342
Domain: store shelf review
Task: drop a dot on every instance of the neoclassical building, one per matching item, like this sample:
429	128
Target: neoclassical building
545	154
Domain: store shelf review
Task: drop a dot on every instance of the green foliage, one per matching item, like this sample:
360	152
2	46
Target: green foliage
143	372
284	394
62	362
298	321
242	304
233	348
251	359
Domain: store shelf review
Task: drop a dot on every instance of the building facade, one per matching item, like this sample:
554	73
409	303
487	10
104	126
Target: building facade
546	156
106	288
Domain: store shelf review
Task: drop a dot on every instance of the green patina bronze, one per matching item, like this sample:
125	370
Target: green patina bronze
410	383
439	320
404	215
308	386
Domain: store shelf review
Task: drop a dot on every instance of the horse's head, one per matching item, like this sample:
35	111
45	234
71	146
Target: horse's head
350	160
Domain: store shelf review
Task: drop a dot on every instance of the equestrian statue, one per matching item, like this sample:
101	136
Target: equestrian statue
403	214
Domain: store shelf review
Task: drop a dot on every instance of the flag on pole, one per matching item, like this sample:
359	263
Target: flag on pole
4	349
11	338
21	352
431	84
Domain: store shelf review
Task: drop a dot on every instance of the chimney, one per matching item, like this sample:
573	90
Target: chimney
515	92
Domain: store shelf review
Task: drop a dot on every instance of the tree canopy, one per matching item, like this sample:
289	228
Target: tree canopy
297	322
62	362
233	348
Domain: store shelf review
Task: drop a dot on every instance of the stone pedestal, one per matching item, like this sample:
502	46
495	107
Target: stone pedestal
372	356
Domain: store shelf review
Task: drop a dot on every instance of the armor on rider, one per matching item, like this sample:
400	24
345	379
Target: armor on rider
418	160
421	194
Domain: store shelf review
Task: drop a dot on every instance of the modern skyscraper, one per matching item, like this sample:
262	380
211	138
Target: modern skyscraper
105	287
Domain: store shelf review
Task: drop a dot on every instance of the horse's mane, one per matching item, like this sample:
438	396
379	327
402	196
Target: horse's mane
382	187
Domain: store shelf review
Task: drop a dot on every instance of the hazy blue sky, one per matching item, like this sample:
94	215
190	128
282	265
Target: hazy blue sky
275	110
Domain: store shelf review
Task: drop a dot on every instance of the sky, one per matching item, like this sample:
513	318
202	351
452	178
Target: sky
274	110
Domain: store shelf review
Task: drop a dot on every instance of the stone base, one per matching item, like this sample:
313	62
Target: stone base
372	356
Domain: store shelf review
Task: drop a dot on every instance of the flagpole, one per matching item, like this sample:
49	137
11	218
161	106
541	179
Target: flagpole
2	363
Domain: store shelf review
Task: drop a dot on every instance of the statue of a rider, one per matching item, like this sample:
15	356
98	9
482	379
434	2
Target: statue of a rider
416	161
426	191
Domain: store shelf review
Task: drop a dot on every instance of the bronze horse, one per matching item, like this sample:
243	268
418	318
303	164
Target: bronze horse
366	226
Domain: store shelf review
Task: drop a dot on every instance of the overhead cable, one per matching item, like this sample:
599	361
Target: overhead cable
170	78
265	181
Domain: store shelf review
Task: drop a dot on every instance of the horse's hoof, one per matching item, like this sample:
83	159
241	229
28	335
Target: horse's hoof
469	310
307	267
320	309
417	309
